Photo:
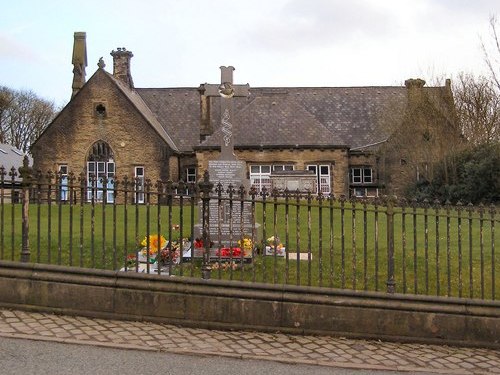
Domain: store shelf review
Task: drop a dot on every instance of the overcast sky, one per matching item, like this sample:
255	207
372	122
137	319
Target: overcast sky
179	43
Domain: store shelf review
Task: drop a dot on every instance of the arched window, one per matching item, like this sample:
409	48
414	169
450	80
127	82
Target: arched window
100	168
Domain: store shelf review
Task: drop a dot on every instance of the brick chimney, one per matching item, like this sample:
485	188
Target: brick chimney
121	66
79	61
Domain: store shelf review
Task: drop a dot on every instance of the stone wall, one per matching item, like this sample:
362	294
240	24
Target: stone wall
78	127
337	159
219	304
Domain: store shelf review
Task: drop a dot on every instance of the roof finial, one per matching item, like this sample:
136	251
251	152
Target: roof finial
101	63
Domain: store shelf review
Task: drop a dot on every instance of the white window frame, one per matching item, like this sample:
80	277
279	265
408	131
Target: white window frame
63	182
260	176
283	167
139	180
323	180
360	192
361	175
190	175
101	169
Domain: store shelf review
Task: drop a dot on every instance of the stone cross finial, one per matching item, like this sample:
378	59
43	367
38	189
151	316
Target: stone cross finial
101	63
226	90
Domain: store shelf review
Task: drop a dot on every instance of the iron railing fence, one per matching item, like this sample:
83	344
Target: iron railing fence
273	237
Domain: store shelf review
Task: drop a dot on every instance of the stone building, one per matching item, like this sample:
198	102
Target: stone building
111	128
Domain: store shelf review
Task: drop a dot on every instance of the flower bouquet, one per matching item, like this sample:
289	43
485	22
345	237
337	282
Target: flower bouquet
131	261
156	243
244	248
227	252
246	244
274	245
170	254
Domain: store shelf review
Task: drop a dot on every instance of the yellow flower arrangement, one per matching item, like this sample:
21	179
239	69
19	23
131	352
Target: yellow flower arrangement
246	244
156	242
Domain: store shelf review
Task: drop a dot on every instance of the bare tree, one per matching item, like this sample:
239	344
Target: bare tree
422	132
492	52
477	103
23	117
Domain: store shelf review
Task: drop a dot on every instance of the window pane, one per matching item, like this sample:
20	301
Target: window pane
278	167
191	174
288	167
359	192
255	169
367	175
111	167
312	168
265	169
356	175
324	170
91	167
139	171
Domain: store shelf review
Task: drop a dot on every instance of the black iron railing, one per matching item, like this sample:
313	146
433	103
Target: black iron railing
275	237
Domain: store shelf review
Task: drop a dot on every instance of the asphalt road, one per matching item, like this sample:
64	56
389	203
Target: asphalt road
26	357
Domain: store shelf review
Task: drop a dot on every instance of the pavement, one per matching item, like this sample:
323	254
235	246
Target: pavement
294	349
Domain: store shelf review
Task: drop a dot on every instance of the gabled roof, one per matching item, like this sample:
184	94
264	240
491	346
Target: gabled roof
134	98
338	116
278	122
145	110
281	116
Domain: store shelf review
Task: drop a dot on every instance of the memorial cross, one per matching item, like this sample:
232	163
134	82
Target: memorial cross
226	90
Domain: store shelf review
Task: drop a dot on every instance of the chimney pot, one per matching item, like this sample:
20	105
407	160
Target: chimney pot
414	83
121	66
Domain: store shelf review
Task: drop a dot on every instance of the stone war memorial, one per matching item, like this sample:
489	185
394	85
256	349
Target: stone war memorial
230	219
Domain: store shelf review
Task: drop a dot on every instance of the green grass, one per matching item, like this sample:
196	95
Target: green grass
348	247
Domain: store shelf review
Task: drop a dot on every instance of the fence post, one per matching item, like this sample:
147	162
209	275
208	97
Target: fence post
206	188
25	172
391	283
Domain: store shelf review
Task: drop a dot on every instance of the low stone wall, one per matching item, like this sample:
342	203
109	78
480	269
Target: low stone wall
248	306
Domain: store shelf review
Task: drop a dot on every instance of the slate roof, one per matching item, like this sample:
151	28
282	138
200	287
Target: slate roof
353	113
178	111
281	116
12	157
285	117
277	122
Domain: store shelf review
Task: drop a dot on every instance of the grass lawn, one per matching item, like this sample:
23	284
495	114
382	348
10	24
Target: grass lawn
433	254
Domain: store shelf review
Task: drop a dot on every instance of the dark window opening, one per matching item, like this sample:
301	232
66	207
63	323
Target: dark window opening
100	152
100	110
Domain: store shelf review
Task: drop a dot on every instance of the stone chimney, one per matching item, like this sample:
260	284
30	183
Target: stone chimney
121	66
79	61
415	88
206	128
